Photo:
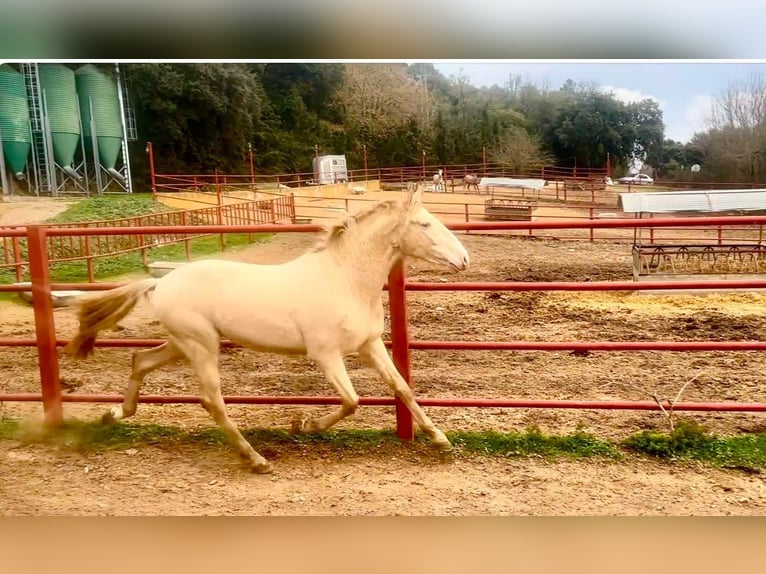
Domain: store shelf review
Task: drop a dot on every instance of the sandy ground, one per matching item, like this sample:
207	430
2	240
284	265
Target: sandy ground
26	211
410	479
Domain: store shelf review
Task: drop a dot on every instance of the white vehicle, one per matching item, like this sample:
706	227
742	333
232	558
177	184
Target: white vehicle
638	179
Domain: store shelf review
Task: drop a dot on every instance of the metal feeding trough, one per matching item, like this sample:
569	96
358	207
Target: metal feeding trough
59	298
162	268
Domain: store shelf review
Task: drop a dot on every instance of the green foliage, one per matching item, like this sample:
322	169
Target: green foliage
533	442
110	207
199	117
92	435
690	440
202	117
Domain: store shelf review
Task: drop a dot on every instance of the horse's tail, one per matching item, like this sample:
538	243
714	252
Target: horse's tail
102	311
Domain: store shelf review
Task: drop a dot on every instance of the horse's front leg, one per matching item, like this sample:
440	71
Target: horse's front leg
375	354
335	370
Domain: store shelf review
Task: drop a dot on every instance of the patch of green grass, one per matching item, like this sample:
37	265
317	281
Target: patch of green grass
110	207
93	435
691	441
116	207
116	265
531	442
8	427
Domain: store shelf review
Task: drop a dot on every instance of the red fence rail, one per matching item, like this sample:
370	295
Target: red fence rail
47	342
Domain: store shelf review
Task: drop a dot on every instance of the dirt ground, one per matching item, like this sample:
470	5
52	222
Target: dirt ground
26	211
410	479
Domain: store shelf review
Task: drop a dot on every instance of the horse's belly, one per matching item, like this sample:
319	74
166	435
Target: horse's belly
264	335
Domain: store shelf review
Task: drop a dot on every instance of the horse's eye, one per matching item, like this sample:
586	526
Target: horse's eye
424	224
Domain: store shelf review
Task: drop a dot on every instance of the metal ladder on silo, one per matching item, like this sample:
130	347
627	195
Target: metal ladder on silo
130	133
130	113
41	153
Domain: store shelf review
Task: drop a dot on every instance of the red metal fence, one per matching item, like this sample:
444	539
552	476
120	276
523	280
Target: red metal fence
399	174
13	250
47	341
208	182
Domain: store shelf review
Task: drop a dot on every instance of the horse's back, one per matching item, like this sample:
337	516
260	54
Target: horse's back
220	277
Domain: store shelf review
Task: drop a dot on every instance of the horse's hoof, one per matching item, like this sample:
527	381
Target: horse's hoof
108	418
443	446
262	468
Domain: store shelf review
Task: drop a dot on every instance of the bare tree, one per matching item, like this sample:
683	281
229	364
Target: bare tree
379	98
520	151
736	142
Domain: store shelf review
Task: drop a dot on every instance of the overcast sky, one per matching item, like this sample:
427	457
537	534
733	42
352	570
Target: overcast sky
684	90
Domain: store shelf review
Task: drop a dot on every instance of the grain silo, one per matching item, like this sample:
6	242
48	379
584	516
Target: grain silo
14	125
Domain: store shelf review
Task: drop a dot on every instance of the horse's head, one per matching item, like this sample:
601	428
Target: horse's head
427	238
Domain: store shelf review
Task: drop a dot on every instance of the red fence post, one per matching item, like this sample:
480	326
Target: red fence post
467	217
219	213
89	258
400	344
187	247
44	325
16	243
150	151
252	165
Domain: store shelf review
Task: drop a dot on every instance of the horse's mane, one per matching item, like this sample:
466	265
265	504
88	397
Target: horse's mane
335	232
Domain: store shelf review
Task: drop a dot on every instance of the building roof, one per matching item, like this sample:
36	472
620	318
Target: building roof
700	201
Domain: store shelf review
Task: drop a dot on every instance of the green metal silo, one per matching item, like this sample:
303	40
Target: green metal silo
14	119
100	91
58	84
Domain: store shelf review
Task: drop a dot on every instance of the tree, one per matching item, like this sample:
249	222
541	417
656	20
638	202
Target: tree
377	101
646	116
673	160
735	144
200	117
520	151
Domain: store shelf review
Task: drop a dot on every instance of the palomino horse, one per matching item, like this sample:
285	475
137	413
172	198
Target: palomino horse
470	181
325	304
438	182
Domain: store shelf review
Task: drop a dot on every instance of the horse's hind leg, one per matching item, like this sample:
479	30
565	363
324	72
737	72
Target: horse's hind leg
203	356
333	368
144	362
376	355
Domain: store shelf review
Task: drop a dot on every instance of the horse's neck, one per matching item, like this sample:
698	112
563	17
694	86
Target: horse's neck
367	255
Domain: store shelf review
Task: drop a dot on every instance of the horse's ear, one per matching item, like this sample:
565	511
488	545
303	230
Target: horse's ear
415	196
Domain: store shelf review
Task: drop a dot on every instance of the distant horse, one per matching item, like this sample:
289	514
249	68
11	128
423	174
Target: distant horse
471	181
325	304
438	182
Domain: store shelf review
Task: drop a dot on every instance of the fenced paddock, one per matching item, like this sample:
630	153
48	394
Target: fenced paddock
467	334
564	358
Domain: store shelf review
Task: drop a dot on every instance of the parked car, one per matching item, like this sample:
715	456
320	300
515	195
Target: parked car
638	179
